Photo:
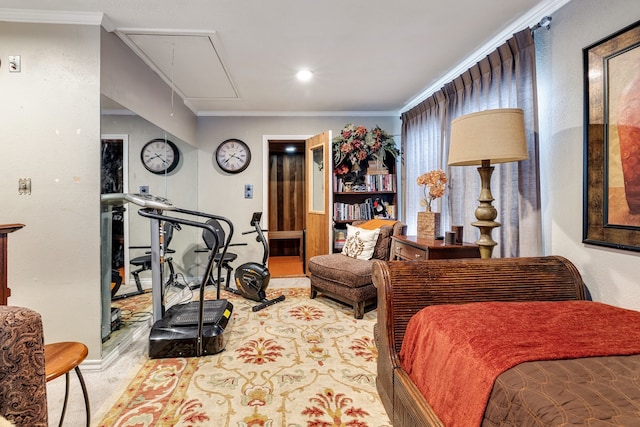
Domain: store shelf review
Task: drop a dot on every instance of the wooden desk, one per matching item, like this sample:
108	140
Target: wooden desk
413	248
5	229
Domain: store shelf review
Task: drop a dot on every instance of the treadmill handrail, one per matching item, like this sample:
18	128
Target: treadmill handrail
153	213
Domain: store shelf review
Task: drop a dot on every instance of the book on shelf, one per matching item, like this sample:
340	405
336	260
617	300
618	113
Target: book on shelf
340	237
372	183
353	211
377	168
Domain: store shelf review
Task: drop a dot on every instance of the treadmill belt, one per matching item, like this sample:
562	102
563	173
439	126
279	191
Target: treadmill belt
187	314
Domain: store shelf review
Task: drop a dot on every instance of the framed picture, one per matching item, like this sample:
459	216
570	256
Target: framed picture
612	141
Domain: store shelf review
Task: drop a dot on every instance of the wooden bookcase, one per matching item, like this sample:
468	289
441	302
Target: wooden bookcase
356	202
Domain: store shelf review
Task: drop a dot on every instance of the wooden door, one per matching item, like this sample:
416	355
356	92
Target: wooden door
317	196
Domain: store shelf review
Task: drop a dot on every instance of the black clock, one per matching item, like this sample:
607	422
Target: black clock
160	156
233	156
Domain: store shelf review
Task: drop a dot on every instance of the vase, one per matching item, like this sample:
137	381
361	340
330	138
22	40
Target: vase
428	225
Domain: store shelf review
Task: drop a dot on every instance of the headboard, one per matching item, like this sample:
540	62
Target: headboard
406	287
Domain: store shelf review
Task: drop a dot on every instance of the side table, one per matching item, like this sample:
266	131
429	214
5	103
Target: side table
413	248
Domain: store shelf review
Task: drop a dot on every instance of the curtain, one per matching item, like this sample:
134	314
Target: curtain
503	79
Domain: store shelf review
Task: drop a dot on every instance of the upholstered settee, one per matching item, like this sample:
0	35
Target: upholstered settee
348	279
23	388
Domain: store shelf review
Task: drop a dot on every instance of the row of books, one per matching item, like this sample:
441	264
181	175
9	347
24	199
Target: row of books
361	211
353	211
370	183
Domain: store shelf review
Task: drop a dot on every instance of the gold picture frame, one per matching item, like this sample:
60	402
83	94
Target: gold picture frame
611	203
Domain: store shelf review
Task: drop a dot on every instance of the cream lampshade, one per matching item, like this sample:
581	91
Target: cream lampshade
491	136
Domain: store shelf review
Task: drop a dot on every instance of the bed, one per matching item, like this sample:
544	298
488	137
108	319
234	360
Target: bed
596	382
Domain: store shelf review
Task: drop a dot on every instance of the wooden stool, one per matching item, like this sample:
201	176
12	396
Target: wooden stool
60	358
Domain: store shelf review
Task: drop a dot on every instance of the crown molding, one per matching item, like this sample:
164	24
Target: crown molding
529	19
52	17
298	114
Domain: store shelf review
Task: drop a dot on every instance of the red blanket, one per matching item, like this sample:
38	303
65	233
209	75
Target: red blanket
453	359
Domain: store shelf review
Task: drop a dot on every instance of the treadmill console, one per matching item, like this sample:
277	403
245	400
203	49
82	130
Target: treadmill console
256	217
144	200
149	201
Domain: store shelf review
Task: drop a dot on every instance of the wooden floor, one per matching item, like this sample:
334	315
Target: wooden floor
285	266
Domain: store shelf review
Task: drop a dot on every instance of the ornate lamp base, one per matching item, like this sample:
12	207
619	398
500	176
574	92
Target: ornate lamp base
485	212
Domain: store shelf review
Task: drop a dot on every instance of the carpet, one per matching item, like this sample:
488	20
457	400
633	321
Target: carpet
300	362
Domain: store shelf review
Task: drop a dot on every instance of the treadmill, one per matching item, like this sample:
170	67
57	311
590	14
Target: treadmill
197	328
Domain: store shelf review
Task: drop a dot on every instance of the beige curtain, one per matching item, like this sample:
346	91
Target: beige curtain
503	79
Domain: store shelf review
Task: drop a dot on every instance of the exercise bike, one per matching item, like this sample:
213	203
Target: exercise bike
252	278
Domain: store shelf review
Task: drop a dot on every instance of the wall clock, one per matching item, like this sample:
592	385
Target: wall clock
233	156
160	156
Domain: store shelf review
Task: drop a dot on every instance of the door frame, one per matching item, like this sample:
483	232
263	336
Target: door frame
265	167
124	138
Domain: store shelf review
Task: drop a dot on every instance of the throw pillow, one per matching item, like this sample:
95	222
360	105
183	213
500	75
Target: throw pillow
360	243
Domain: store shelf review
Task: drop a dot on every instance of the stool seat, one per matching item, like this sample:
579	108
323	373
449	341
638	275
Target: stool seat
59	359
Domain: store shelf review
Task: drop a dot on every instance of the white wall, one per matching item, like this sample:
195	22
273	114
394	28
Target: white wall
223	194
50	132
127	80
610	274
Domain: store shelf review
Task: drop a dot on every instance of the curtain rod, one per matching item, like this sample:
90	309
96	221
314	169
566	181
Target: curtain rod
544	22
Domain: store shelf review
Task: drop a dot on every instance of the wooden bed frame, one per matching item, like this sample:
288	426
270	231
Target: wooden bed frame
406	287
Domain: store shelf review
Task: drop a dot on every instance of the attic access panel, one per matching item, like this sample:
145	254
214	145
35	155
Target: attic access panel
189	62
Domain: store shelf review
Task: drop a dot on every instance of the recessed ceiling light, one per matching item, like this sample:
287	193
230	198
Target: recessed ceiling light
304	75
290	149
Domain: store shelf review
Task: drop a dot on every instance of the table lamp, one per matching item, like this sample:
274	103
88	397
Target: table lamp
483	138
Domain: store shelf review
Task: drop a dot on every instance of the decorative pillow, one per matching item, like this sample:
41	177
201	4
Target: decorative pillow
360	243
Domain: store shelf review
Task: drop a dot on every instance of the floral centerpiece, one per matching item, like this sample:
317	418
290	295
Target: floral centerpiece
349	149
356	144
380	143
435	181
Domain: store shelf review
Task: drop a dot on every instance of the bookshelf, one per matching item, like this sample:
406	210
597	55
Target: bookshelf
371	194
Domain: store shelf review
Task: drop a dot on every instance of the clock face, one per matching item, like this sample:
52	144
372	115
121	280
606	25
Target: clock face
160	156
233	156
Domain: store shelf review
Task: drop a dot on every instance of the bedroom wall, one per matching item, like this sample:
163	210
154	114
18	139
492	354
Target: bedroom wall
610	274
50	133
223	194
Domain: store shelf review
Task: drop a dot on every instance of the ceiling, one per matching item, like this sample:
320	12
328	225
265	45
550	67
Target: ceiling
240	57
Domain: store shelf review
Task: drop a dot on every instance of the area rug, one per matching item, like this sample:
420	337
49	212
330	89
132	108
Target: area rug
300	362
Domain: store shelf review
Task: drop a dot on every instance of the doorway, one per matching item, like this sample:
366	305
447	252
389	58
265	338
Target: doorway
286	207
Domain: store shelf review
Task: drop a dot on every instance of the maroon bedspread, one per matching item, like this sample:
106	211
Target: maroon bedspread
452	359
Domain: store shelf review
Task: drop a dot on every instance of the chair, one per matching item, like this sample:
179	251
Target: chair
143	263
222	258
349	279
61	358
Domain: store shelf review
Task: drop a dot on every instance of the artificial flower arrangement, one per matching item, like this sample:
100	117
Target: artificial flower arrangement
435	181
356	144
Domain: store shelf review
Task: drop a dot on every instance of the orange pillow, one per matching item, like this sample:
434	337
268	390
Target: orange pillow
376	223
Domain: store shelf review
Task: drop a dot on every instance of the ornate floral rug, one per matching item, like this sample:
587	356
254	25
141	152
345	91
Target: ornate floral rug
297	363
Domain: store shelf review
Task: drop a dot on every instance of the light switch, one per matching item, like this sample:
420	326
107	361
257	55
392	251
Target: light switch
14	63
248	191
24	186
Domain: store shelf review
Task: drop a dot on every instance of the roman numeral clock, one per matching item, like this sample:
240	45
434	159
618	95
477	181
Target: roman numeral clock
233	156
160	156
